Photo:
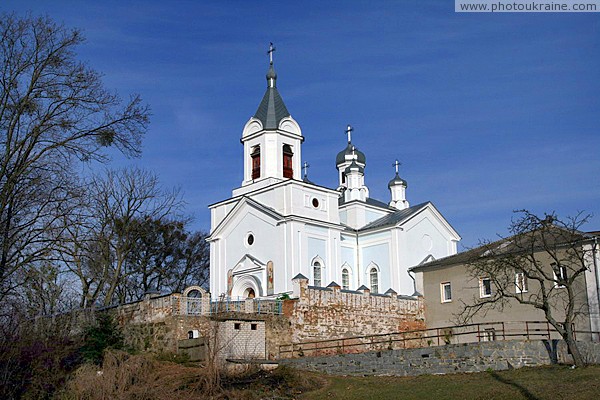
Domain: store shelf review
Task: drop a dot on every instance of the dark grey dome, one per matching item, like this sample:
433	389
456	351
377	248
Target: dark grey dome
271	74
397	181
352	166
341	157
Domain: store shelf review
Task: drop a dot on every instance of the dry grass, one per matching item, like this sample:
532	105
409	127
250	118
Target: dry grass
124	376
141	377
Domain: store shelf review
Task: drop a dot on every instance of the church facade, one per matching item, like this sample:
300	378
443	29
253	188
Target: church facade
277	225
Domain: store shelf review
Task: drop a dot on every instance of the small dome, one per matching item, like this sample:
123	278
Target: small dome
271	74
341	157
397	181
354	166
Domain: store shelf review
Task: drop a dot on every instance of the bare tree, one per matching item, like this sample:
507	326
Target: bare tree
168	257
98	248
53	110
541	265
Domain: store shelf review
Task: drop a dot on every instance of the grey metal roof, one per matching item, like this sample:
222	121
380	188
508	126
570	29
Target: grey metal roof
506	246
341	156
299	276
397	181
271	109
355	166
369	201
394	218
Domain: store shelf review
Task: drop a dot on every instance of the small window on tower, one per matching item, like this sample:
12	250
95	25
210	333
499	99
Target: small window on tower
288	171
315	202
255	155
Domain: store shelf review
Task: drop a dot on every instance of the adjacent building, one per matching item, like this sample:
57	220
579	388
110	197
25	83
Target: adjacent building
451	283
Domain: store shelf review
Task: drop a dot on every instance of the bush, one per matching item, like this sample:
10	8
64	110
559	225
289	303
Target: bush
105	334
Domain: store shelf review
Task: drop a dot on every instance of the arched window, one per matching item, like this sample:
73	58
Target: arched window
255	155
316	273
288	171
374	280
345	279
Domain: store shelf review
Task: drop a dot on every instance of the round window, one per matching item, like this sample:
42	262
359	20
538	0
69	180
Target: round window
250	239
315	202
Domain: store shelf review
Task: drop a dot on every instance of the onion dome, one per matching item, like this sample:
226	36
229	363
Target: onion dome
397	181
354	167
346	154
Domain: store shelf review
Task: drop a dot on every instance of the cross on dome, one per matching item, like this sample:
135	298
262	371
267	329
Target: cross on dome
306	166
270	52
348	132
397	164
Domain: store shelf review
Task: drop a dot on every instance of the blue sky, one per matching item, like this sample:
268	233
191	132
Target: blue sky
487	112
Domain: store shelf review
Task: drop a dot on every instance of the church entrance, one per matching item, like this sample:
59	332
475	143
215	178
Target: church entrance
246	287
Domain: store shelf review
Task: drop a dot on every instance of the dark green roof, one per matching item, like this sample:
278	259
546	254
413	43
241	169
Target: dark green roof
271	109
341	157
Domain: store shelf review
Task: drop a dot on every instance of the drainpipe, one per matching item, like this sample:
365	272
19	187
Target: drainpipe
416	293
597	278
358	271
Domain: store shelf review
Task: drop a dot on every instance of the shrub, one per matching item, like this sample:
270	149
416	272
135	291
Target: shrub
105	334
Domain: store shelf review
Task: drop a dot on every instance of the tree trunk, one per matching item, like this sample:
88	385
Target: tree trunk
573	349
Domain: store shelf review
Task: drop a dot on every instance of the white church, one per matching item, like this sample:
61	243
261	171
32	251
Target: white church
277	225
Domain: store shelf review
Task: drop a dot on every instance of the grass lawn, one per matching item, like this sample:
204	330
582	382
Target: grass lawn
556	382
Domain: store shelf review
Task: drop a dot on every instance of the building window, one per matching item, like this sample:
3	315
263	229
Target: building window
374	280
288	171
315	202
253	327
255	162
345	279
485	287
237	326
446	292
560	275
520	282
317	273
488	335
249	239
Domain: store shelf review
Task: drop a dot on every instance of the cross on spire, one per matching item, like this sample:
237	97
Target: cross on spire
270	52
348	131
306	166
397	164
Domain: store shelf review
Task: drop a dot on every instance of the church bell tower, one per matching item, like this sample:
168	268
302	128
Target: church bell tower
272	138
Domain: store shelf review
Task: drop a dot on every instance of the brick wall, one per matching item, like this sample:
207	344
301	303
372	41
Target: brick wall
240	339
157	323
329	313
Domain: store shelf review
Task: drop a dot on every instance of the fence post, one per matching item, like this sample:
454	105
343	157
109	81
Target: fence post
548	329
503	331
478	334
527	329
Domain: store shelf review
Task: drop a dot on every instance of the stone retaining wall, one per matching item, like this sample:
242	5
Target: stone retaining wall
454	358
332	313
